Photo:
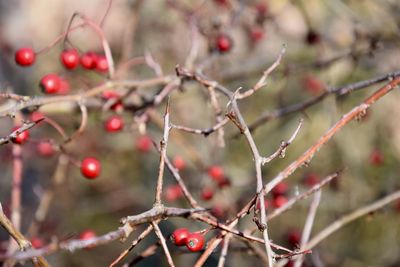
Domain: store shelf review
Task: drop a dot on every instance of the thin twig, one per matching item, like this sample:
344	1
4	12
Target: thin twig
163	243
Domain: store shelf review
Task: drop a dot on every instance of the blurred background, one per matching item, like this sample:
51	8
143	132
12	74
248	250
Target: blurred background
328	44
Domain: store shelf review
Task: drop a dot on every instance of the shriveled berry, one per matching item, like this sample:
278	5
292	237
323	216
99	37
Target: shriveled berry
144	143
179	236
89	60
90	168
70	58
45	149
21	137
224	182
50	83
195	242
114	124
25	56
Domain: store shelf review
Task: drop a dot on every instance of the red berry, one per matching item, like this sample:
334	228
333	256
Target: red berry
224	182
224	43
218	211
179	236
101	64
114	124
279	201
173	192
50	83
90	168
280	189
293	237
376	158
87	234
64	87
195	242
25	56
311	179
144	143
37	243
216	173
312	84
109	94
207	193
89	60
21	137
45	149
179	163
70	58
256	34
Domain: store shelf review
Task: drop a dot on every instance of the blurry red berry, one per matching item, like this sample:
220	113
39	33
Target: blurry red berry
37	243
311	179
207	193
224	43
25	56
289	264
293	237
21	137
50	83
280	189
89	60
144	143
36	116
101	64
195	242
114	124
173	192
312	84
45	149
256	34
261	9
109	94
279	201
376	158
224	182
216	173
222	2
179	236
90	168
179	163
70	58
87	234
64	86
218	211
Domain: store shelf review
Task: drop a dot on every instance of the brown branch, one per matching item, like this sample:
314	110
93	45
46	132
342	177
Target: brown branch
351	115
163	243
344	220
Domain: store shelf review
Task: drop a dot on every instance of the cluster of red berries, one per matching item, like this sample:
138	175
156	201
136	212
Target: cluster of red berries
52	83
193	241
